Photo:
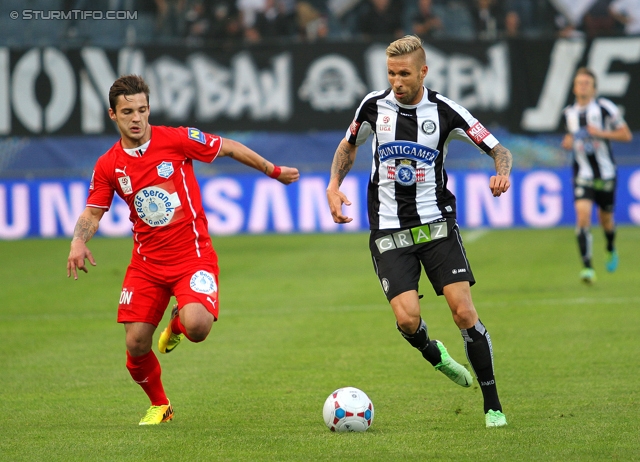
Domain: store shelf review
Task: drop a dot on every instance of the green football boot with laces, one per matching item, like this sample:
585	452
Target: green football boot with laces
456	372
495	419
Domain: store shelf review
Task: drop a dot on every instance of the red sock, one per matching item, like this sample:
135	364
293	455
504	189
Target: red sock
145	371
177	328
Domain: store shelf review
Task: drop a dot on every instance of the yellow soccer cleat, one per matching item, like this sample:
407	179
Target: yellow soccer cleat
158	414
168	340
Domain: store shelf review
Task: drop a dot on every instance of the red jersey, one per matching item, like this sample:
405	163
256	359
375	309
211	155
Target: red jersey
169	223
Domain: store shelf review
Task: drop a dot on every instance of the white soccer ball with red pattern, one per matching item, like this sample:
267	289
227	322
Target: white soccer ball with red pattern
348	410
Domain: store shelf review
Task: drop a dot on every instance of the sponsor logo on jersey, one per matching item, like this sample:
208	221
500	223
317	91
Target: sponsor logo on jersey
212	140
385	119
391	104
165	169
156	206
203	282
407	150
461	270
93	174
478	133
354	127
414	236
125	185
384	128
428	127
196	135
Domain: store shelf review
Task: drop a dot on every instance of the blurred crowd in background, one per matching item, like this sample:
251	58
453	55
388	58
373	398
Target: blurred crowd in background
221	22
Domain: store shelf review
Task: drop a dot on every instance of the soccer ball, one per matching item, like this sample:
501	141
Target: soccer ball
348	410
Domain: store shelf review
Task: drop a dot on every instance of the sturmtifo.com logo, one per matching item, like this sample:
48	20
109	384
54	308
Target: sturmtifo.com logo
52	15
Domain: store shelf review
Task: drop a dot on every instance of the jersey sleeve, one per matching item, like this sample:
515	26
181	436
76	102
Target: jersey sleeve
100	188
465	127
199	145
614	116
363	122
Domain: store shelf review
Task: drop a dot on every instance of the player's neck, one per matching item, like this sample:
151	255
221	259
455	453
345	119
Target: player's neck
584	100
132	143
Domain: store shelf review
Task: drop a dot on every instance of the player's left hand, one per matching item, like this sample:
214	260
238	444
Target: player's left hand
499	184
288	175
594	132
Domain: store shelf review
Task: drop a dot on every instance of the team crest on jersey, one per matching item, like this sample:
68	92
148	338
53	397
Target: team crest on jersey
196	135
203	282
428	127
406	174
165	169
156	206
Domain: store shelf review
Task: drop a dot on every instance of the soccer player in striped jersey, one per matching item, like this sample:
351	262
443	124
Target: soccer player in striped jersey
412	214
151	169
591	123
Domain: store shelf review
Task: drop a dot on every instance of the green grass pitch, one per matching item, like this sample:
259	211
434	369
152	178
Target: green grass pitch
302	315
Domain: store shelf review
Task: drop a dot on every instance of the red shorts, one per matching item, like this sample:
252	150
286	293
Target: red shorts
148	287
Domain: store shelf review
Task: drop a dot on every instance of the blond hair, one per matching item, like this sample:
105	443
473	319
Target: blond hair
405	46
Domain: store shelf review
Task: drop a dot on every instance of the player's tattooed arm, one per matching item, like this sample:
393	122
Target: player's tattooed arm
343	161
87	224
503	159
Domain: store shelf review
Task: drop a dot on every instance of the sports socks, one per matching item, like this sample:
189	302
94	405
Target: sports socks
420	340
145	371
177	328
477	344
584	243
610	236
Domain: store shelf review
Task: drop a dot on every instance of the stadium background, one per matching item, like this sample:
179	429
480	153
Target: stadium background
290	96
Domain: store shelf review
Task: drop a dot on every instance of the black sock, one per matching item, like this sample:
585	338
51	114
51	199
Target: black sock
584	243
420	340
611	236
477	344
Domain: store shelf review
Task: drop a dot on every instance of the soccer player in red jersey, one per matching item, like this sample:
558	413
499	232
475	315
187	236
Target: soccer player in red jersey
151	169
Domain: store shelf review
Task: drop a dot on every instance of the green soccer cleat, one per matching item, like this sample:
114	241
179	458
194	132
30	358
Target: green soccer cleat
456	372
157	414
588	276
612	261
168	340
495	419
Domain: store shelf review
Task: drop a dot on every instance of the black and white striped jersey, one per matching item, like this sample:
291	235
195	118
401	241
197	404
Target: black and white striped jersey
408	182
592	157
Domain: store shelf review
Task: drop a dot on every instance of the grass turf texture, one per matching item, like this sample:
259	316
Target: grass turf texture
302	315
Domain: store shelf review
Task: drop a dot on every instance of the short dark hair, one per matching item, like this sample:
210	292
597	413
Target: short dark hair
127	85
589	72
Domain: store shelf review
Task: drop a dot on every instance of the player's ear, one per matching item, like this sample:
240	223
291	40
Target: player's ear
424	71
112	115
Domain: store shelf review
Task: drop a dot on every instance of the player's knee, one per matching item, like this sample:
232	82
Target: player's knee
408	324
137	346
198	332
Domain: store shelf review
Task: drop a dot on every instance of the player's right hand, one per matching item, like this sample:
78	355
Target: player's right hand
288	175
79	251
336	199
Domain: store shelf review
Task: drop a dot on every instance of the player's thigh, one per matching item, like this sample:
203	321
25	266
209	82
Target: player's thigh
605	197
398	269
197	282
445	261
144	297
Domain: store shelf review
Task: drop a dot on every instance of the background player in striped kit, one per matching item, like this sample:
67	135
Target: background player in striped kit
591	124
412	214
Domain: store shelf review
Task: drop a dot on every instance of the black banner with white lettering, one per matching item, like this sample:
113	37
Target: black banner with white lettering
517	84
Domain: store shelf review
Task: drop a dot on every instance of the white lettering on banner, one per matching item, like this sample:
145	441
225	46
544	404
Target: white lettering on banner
541	194
212	82
63	84
462	78
564	57
634	190
56	206
19	219
225	216
479	200
176	90
116	221
5	108
605	51
313	207
269	199
332	84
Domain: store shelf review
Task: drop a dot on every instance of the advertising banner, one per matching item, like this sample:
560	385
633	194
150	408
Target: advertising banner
256	204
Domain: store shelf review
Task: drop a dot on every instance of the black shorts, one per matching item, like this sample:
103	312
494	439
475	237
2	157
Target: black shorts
398	269
601	192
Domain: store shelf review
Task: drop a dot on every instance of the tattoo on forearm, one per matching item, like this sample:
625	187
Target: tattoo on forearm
265	167
230	154
503	159
342	163
85	229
